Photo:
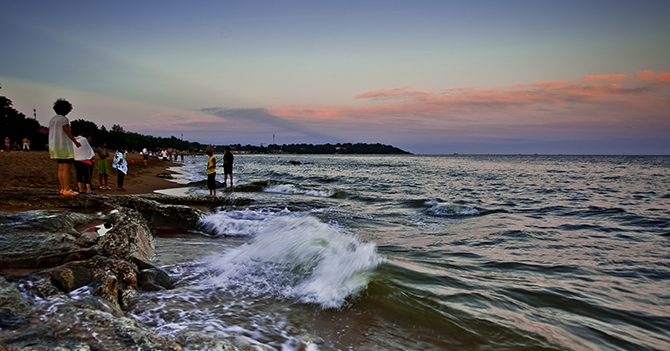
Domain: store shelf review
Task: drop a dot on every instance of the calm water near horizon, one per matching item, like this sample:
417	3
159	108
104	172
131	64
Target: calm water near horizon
426	253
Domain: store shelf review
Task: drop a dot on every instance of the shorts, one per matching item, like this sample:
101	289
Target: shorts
146	156
227	169
67	161
211	183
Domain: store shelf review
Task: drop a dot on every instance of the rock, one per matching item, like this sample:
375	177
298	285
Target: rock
42	286
154	279
71	276
129	236
13	306
155	213
40	239
108	289
115	280
84	281
84	325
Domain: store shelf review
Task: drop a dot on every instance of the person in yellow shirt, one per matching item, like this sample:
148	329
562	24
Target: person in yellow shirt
211	171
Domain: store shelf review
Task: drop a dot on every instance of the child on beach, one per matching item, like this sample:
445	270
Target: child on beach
145	155
61	146
121	166
83	164
211	171
104	170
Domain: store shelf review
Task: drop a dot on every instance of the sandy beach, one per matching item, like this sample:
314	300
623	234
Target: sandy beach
35	170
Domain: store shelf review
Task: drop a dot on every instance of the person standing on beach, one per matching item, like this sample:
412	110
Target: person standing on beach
26	144
121	168
104	170
8	143
211	171
61	146
228	166
145	155
83	164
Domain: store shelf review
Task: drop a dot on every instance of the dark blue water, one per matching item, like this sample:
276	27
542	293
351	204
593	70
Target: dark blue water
426	253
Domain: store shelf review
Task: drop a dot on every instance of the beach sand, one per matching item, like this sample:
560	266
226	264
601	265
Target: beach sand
35	170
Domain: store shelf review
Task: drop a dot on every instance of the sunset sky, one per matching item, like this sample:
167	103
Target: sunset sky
430	77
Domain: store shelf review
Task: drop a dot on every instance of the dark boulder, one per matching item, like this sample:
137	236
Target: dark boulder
13	306
41	239
154	279
71	276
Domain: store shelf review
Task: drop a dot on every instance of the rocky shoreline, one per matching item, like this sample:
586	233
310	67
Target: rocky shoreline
55	249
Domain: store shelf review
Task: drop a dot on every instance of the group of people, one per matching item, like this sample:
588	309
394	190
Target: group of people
68	150
9	146
211	169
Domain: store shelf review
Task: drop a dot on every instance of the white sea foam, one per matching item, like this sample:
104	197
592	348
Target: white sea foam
182	174
238	223
298	258
445	209
293	190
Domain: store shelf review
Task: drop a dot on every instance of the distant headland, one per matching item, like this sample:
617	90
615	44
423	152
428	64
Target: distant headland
345	149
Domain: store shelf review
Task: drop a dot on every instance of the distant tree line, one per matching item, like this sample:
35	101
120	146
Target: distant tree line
117	138
17	126
345	148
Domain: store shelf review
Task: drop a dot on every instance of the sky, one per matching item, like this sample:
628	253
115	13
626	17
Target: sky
429	77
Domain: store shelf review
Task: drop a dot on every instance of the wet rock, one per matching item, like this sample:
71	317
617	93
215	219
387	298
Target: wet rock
83	325
87	239
107	270
40	239
157	213
129	236
13	306
108	288
115	280
71	277
42	285
154	279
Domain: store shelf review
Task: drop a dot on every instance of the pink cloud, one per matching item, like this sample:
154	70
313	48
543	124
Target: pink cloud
395	93
650	76
601	102
605	77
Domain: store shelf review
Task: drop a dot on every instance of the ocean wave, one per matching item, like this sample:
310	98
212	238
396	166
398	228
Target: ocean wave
446	209
291	189
298	258
238	223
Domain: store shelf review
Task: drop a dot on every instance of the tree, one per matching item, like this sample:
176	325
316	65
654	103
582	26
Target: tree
87	127
16	126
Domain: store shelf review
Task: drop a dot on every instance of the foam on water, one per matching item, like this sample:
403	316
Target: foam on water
238	223
293	190
445	209
298	258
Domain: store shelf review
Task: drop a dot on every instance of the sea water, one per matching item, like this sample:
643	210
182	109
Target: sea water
457	252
